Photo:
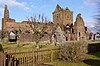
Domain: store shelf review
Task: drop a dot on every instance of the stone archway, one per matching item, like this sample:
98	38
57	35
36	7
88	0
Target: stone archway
12	37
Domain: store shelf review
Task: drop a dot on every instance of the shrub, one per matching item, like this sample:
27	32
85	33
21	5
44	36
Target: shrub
74	51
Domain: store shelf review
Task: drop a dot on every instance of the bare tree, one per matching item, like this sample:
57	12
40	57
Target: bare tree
42	17
97	17
37	33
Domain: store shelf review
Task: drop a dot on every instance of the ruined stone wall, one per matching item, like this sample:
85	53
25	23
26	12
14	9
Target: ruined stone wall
67	17
26	38
79	28
62	16
31	38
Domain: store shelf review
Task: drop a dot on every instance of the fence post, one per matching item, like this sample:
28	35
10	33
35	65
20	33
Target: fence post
33	53
15	60
10	61
51	55
5	59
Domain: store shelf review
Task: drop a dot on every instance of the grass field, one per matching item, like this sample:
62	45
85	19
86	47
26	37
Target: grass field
27	46
32	45
94	42
11	48
93	60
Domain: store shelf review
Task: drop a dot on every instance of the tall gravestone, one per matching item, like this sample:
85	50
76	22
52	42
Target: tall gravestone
60	38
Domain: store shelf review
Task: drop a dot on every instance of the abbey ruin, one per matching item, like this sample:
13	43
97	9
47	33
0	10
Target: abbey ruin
62	21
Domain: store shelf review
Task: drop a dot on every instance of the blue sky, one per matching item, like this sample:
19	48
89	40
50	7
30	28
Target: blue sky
21	9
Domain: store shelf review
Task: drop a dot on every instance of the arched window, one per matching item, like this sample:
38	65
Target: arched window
72	30
12	35
66	39
79	34
67	26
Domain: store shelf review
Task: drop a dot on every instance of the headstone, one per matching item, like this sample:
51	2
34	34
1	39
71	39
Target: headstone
60	38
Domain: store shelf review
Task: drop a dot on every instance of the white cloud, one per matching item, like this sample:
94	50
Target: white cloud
91	2
90	23
15	3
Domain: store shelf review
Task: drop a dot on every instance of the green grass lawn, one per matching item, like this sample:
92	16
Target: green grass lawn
11	46
94	42
93	60
32	45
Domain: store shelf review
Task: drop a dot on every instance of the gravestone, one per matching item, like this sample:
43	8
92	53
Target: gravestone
60	38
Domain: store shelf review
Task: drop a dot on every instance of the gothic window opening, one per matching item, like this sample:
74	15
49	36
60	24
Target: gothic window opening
79	34
12	34
67	26
12	37
66	39
71	25
72	30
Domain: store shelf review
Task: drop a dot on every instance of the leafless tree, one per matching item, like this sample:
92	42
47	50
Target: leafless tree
37	34
97	17
42	17
39	17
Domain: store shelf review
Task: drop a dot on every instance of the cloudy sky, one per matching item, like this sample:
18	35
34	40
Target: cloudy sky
21	9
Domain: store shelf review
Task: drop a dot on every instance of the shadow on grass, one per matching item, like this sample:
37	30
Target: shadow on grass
92	62
97	54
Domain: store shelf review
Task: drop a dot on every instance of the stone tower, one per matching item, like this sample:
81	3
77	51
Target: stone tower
62	16
57	15
79	28
6	12
6	17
